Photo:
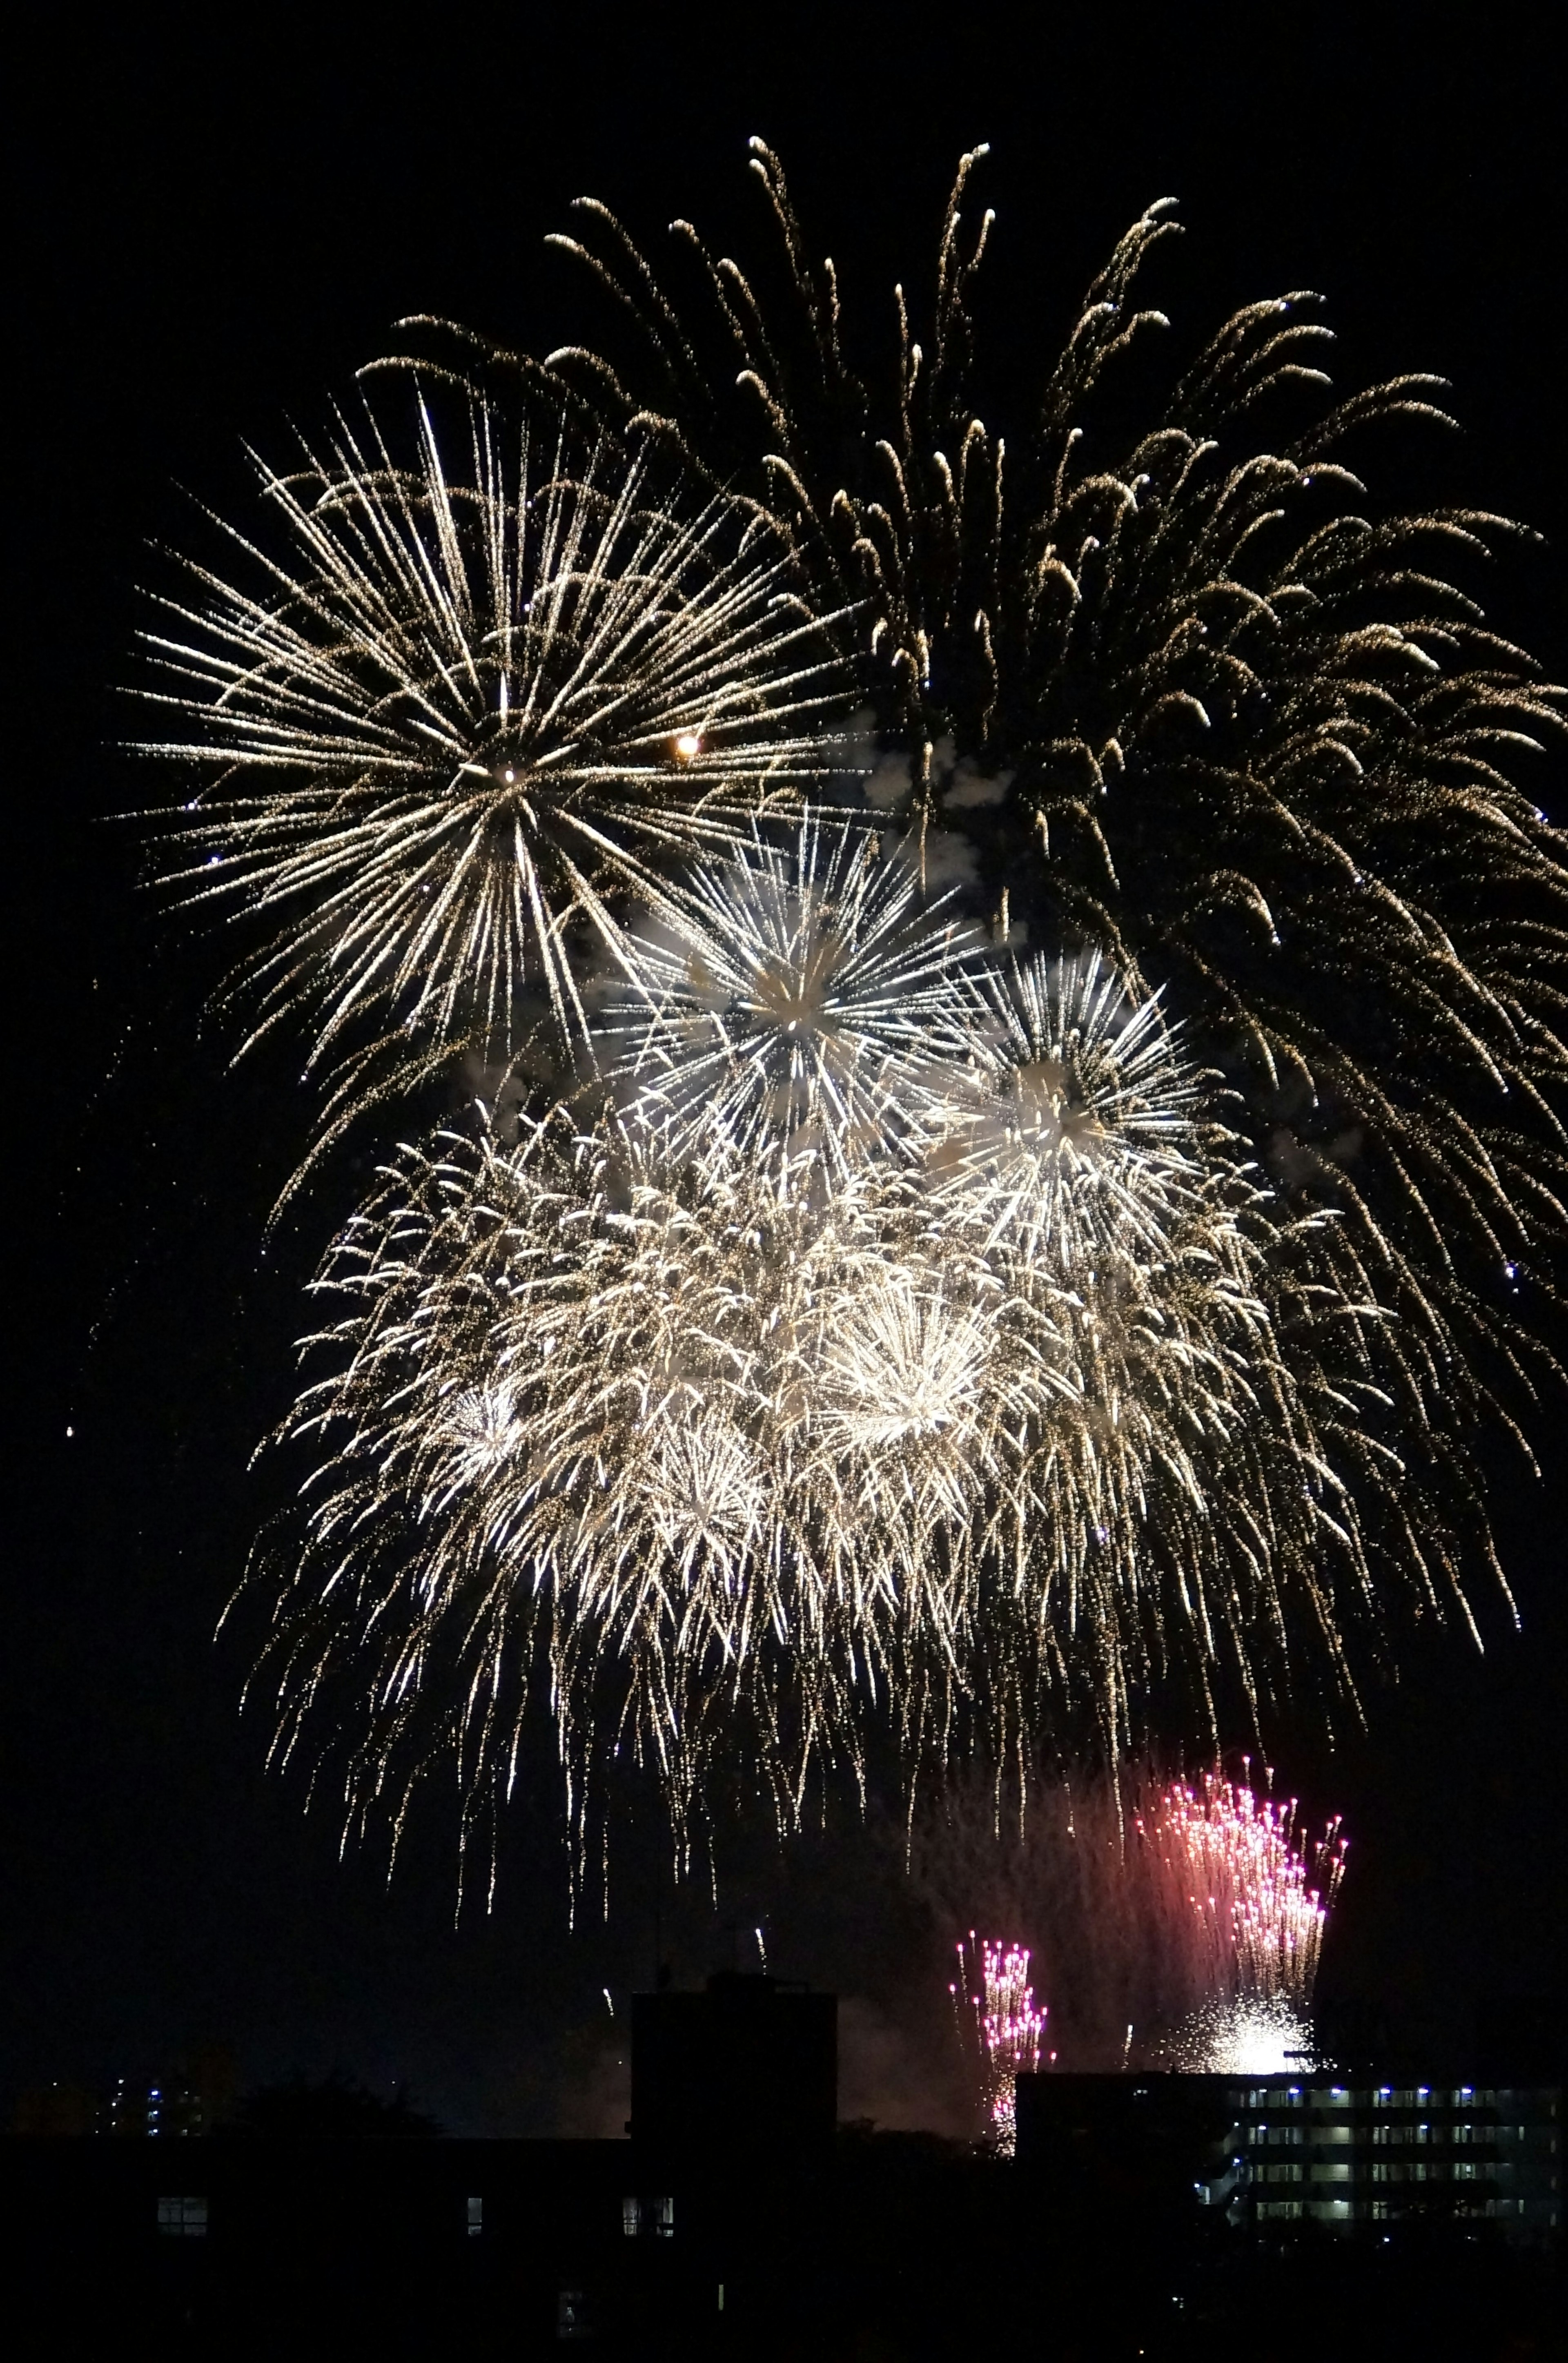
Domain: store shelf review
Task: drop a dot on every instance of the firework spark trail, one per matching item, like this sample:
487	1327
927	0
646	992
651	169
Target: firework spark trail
477	698
1000	2028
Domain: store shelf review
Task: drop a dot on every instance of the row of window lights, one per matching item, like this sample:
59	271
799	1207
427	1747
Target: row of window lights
1382	2096
1266	2136
1460	2169
1383	2211
185	2218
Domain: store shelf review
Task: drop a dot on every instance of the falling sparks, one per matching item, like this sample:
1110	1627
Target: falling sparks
1237	1868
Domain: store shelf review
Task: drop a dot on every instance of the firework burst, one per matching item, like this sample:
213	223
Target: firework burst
903	1321
1000	2028
1175	1923
800	995
568	1411
774	1447
1248	1898
462	706
1182	700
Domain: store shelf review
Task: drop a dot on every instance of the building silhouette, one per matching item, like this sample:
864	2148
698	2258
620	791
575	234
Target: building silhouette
1141	2215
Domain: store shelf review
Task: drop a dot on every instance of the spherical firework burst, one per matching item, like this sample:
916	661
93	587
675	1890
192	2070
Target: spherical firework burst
797	994
1074	1130
452	708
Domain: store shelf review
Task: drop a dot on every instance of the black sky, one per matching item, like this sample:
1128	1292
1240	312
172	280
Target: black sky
213	223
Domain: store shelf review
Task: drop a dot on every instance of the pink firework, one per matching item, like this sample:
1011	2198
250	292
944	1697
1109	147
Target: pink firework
1254	1895
1177	1922
999	2025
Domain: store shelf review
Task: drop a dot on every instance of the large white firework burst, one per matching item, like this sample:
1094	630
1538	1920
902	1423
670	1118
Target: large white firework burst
450	706
897	1331
768	1454
571	1384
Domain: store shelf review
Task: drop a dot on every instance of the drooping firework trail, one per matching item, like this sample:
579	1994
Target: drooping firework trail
998	1015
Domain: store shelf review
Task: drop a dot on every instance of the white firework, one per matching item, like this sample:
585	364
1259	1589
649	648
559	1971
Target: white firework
762	1448
1077	1129
797	995
450	708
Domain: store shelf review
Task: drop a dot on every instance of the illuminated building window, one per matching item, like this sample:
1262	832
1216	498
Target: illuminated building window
571	2315
1285	2208
183	2218
476	2218
654	2217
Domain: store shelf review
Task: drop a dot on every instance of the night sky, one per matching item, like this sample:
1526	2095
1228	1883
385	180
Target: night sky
213	228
